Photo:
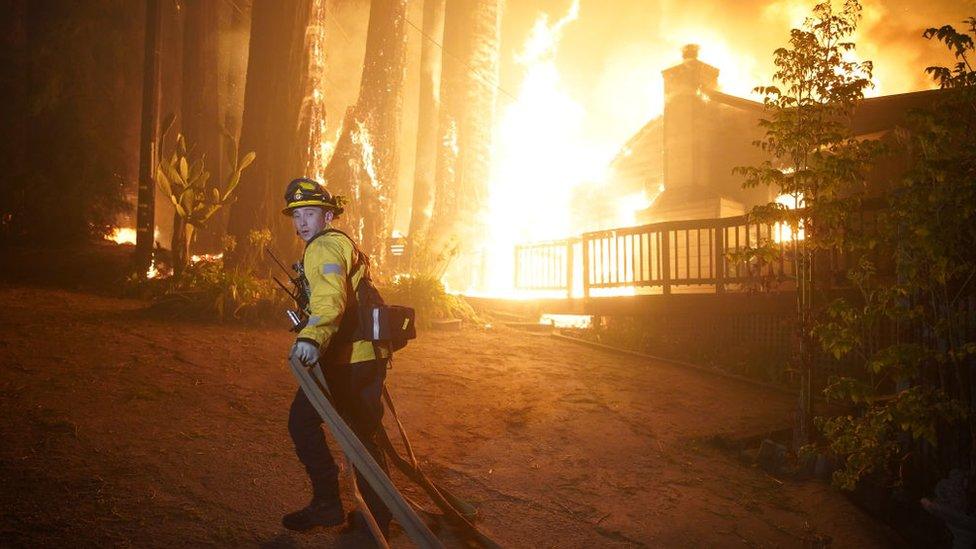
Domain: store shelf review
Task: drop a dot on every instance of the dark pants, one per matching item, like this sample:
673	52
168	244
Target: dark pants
357	392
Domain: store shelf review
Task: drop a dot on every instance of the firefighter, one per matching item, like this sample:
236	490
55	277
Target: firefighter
353	372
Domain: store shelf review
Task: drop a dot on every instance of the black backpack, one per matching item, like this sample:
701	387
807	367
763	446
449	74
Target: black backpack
367	316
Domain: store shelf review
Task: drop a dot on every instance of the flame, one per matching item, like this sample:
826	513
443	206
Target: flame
152	272
782	232
122	235
206	257
738	73
628	206
361	137
541	154
320	149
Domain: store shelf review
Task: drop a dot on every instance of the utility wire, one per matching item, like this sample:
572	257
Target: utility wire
440	46
459	60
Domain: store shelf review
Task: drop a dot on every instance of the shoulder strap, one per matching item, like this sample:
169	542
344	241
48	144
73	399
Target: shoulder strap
360	259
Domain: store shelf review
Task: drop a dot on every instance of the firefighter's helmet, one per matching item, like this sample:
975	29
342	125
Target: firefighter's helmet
308	192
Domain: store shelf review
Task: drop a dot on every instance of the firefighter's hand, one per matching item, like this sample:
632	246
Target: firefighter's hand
307	352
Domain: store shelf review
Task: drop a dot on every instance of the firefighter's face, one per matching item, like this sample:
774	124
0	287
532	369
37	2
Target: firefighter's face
310	220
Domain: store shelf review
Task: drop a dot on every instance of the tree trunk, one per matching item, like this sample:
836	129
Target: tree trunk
364	167
272	102
148	146
200	104
469	86
313	121
425	169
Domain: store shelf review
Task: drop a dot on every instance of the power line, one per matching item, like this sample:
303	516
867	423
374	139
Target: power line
471	69
459	60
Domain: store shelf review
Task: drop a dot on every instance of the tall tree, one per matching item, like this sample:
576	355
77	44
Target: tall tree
364	166
915	390
14	77
148	144
313	114
815	159
201	126
469	86
422	205
272	102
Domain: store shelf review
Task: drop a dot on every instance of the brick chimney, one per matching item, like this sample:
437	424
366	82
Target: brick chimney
685	137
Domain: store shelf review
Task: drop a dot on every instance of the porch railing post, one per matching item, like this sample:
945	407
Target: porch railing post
517	254
585	244
719	271
665	260
569	267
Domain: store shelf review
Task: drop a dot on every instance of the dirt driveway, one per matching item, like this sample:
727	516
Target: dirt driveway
117	428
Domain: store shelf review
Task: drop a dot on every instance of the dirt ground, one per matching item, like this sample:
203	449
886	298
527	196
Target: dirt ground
117	428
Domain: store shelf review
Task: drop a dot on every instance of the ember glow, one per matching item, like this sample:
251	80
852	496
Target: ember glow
206	257
122	235
628	206
152	272
361	137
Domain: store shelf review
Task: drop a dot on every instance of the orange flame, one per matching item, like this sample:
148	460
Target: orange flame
122	235
782	232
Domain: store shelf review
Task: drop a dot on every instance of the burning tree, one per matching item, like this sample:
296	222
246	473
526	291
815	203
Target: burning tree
426	165
468	95
364	166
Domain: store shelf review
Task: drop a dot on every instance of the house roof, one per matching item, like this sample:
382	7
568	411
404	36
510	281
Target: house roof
876	114
872	115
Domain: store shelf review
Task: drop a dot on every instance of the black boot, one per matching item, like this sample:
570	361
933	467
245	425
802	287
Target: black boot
318	513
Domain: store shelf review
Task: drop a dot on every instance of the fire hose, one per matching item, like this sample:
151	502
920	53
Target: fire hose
360	458
456	511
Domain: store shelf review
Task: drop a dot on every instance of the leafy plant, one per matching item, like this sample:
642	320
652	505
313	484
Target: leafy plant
207	287
917	383
211	289
814	158
184	179
426	294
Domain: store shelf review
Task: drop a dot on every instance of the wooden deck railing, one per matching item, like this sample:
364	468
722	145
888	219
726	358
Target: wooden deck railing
656	258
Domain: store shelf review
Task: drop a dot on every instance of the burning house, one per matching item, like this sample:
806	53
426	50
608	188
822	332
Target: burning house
683	160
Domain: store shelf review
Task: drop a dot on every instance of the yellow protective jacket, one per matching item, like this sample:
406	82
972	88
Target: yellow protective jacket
329	257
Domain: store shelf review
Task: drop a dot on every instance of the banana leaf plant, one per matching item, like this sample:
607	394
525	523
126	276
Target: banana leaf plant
184	178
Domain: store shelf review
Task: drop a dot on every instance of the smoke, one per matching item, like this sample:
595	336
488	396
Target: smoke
611	58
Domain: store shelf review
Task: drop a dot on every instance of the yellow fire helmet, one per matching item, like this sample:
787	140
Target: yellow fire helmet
308	192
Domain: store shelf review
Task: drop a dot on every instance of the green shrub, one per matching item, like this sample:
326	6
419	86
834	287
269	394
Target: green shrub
207	288
426	294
